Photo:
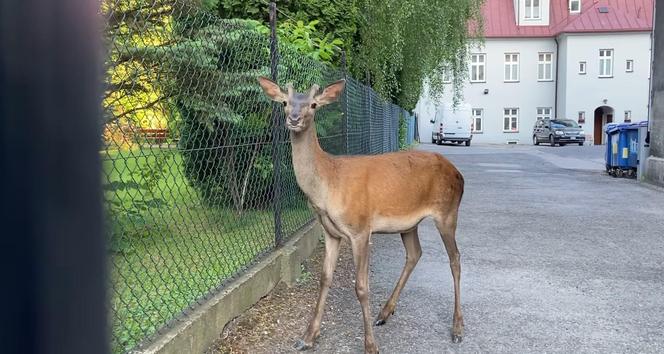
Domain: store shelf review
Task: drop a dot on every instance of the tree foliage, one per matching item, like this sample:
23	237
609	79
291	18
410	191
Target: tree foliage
337	17
305	37
405	43
396	45
200	72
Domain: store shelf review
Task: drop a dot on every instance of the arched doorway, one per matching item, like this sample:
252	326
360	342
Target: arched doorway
603	116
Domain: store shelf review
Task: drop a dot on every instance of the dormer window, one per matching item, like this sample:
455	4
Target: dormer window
533	10
575	6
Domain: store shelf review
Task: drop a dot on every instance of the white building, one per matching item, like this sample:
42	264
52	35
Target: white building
586	60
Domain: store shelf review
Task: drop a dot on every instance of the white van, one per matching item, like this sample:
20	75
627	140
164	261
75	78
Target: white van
452	124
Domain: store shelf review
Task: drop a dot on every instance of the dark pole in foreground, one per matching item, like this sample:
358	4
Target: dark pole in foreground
53	256
276	156
655	162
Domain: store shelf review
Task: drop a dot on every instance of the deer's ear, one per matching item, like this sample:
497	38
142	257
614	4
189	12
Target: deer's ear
331	93
271	89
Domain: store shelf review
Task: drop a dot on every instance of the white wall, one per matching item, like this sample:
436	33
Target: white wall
527	94
624	91
563	69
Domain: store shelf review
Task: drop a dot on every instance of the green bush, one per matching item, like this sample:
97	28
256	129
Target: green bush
403	130
226	127
209	70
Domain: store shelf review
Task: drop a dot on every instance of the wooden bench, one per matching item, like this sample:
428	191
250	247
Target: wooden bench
154	136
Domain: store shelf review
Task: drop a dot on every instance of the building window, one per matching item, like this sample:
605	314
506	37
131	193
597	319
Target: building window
545	67
606	63
575	6
511	120
582	67
477	65
477	120
512	67
629	65
582	117
628	116
533	9
543	113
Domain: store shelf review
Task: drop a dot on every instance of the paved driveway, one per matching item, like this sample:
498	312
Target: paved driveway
556	257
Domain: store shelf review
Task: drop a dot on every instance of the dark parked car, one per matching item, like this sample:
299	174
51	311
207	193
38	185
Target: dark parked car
558	131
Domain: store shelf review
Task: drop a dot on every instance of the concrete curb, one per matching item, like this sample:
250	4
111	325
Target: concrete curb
196	332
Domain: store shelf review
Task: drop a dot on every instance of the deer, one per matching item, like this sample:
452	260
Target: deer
354	197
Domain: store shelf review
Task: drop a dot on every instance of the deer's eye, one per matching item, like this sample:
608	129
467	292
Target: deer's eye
313	105
285	103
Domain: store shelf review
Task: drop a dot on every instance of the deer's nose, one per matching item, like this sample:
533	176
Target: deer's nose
294	119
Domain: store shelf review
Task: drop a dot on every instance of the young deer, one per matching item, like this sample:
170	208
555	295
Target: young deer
355	196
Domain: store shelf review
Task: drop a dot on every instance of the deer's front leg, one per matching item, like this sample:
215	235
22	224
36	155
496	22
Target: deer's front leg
360	247
329	263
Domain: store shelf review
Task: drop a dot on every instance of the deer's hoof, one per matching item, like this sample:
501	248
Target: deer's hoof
300	345
457	338
381	320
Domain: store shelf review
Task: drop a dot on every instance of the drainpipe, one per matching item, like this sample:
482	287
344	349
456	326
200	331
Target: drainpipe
652	65
556	84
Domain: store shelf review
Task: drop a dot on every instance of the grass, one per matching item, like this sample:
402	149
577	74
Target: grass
168	249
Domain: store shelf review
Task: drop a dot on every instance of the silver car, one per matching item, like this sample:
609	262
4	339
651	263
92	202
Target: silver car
558	131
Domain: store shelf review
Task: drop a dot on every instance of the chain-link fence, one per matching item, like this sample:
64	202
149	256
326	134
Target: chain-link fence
198	178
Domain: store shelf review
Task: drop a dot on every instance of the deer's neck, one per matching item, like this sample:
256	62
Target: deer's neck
312	165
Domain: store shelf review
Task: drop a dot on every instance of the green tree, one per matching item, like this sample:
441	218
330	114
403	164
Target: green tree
207	70
396	45
405	43
337	17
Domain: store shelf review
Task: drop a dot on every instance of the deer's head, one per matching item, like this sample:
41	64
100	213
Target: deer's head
300	108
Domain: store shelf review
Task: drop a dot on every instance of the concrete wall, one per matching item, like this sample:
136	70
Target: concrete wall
586	92
655	163
527	94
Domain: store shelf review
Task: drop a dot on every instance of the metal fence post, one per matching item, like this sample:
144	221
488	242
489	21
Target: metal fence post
344	108
276	156
369	116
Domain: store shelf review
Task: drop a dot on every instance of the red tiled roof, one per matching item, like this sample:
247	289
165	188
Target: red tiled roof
622	16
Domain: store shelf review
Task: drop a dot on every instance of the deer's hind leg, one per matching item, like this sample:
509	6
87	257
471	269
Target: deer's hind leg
411	242
446	225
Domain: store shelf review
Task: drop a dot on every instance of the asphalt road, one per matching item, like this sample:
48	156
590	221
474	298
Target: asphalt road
556	257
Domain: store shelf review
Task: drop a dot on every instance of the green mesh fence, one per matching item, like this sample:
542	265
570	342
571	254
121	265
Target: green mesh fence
197	180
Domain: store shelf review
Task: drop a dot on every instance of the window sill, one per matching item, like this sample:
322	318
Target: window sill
582	73
547	80
510	131
511	81
478	82
476	132
605	77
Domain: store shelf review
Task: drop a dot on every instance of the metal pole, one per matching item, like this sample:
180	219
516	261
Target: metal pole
345	101
370	115
276	141
54	257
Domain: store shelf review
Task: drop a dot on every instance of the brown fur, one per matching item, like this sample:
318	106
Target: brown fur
356	196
